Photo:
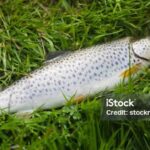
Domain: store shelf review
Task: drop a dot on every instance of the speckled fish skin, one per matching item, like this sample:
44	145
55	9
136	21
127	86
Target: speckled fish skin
83	72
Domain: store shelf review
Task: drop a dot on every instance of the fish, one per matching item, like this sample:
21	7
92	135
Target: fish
77	74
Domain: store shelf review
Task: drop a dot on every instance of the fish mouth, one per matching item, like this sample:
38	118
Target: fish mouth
138	56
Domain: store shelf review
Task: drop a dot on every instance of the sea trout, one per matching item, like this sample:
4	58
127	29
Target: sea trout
79	74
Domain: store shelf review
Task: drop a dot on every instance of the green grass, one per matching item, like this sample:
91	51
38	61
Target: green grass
29	30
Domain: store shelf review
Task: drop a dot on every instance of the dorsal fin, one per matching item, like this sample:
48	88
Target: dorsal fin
55	56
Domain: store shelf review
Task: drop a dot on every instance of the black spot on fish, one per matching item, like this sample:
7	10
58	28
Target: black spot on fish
74	82
33	95
63	77
60	67
48	83
54	89
116	63
106	75
59	82
90	77
95	74
123	59
50	78
30	97
31	85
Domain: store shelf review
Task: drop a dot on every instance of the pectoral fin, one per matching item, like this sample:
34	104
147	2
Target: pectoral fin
130	71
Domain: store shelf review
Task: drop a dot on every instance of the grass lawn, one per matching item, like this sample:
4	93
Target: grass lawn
29	31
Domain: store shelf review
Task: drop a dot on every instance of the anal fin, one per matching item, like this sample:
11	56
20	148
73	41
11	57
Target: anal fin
79	99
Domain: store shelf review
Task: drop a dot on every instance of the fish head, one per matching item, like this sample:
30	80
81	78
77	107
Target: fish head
141	49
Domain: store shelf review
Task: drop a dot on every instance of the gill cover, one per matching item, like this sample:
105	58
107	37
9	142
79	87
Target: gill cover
141	49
